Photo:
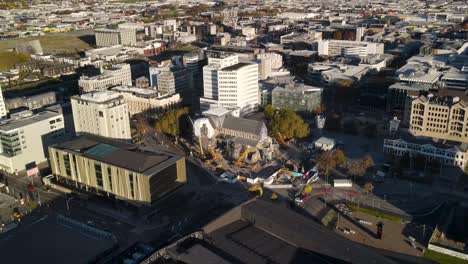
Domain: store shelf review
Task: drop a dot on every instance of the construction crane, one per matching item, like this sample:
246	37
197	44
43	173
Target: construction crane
201	148
256	188
281	139
242	156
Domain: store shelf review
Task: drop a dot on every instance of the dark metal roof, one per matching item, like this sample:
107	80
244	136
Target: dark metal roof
243	124
118	153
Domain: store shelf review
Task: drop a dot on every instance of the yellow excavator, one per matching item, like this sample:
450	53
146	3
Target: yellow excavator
256	188
214	156
274	196
242	156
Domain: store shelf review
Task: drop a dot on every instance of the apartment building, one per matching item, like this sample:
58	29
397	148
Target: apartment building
119	74
103	113
116	169
111	37
24	138
31	102
147	100
439	117
230	83
348	48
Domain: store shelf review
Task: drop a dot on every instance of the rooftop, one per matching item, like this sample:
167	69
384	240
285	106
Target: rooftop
262	232
243	124
237	66
99	96
119	154
12	124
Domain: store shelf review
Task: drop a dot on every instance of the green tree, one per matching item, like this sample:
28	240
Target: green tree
286	122
339	157
269	112
326	161
170	122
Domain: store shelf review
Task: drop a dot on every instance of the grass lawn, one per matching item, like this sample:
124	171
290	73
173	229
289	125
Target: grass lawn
8	59
375	213
442	258
187	47
53	43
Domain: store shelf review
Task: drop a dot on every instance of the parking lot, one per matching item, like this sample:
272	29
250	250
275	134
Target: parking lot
366	233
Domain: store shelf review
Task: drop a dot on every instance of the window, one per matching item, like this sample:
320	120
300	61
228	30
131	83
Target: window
130	178
101	114
66	162
109	176
98	170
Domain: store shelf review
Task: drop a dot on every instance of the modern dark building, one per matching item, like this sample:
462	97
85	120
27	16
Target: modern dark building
116	169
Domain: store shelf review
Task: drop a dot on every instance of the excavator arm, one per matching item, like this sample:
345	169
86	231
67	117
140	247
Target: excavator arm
242	156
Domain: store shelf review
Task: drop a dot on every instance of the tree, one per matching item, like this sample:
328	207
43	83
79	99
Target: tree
286	122
339	157
368	187
326	161
170	122
359	167
465	170
269	112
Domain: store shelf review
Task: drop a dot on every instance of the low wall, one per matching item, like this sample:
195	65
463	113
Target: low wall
447	251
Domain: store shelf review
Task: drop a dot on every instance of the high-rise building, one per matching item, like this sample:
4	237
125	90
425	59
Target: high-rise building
154	72
116	169
119	74
230	83
103	113
111	37
24	138
348	48
174	79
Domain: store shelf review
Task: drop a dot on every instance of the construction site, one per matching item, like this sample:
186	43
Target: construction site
239	149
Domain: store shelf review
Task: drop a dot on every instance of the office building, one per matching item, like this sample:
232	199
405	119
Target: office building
103	113
443	151
229	83
348	48
439	117
111	37
147	100
119	74
115	169
174	79
24	138
300	98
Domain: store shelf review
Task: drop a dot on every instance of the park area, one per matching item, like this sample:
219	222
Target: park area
69	42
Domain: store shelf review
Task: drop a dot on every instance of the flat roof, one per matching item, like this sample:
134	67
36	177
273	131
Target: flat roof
11	124
117	153
99	96
236	66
